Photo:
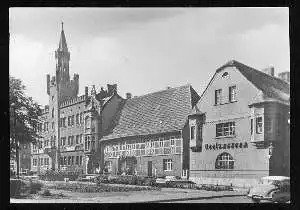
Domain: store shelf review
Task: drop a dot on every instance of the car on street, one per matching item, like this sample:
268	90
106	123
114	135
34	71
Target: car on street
271	189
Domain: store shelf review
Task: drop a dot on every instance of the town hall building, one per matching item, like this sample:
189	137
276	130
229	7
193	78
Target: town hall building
144	135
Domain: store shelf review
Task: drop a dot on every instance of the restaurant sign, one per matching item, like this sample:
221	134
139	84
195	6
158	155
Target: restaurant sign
217	146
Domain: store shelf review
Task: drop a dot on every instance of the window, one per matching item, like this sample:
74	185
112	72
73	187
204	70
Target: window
224	161
52	125
69	140
232	93
72	140
72	120
61	161
172	141
52	112
69	121
218	96
45	127
69	160
161	143
64	122
46	161
167	164
80	116
199	131
77	119
65	160
77	139
80	139
259	125
80	160
77	160
87	122
42	161
72	160
192	132
225	129
251	126
34	162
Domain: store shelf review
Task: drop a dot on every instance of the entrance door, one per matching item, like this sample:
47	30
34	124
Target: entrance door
149	168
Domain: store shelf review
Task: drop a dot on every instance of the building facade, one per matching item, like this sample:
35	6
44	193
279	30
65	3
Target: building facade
70	124
239	130
149	135
146	135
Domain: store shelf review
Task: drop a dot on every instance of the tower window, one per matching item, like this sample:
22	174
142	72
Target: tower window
52	112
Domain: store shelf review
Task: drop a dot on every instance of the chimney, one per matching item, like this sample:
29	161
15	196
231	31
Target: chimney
128	95
269	70
168	87
284	76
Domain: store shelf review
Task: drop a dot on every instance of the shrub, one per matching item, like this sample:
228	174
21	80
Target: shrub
35	187
15	187
46	192
52	175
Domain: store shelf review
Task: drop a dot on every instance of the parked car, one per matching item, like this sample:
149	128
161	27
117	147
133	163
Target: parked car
272	189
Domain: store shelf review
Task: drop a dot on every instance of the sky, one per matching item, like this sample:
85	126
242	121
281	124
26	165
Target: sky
144	50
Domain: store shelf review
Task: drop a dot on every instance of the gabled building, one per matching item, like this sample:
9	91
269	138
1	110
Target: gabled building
239	129
149	134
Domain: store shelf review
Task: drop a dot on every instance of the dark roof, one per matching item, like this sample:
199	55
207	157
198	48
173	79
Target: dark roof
272	87
158	112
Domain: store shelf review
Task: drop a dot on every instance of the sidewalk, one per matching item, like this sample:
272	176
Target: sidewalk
165	195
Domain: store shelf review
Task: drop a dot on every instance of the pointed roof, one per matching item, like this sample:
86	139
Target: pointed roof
273	88
62	42
158	112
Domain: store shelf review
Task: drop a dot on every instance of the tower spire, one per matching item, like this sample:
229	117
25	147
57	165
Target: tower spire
62	42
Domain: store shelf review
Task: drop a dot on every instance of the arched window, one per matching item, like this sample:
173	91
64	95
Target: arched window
224	161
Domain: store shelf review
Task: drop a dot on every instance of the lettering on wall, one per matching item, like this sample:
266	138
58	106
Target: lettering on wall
218	146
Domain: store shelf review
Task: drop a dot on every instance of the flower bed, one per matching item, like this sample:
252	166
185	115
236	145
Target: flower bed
125	179
51	175
80	187
214	187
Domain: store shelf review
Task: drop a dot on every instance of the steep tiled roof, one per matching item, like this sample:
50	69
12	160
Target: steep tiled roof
273	88
158	112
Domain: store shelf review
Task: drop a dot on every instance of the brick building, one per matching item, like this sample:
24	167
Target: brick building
146	134
149	135
239	129
70	124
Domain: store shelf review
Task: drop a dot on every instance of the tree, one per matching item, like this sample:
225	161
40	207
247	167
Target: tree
24	117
